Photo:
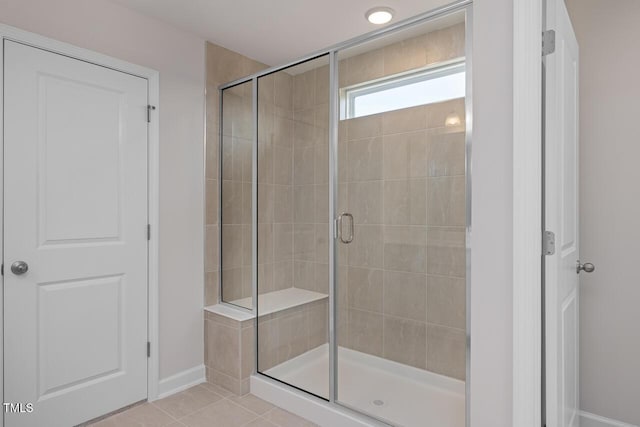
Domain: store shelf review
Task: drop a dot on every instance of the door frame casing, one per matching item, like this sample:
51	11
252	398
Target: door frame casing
153	84
527	213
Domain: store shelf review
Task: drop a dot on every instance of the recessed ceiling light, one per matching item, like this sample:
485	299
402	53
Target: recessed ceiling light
379	15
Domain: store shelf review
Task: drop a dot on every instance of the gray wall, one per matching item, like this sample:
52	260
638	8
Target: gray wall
111	29
492	253
608	33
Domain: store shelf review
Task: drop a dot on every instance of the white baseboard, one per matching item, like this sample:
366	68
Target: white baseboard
592	420
181	381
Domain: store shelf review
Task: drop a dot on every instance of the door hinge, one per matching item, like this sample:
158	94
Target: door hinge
2	269
148	349
148	231
149	109
548	42
548	243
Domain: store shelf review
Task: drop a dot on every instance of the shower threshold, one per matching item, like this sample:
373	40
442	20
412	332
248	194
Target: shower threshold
400	394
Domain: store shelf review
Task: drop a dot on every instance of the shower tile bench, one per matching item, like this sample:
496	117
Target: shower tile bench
298	315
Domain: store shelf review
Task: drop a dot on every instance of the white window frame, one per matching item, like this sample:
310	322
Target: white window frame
349	94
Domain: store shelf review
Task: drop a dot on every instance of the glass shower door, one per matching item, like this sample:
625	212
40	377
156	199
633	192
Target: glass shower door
400	252
293	226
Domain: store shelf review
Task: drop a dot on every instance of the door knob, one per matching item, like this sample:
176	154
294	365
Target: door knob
19	267
587	267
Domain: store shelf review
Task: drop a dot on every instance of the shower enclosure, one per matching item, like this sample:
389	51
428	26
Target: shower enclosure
344	203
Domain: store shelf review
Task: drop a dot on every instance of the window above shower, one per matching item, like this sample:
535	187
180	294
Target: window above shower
428	85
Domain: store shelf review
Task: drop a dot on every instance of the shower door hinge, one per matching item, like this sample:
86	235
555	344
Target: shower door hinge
148	349
149	109
148	231
548	42
548	243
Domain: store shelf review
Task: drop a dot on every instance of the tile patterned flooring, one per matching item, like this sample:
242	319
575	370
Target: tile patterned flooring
204	405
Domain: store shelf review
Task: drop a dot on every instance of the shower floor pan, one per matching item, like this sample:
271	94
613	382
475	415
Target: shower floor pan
398	394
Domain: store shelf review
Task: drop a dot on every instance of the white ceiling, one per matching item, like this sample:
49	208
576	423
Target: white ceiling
275	31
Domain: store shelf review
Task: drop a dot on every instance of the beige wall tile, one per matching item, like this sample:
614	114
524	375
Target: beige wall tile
303	134
265	163
403	257
211	201
405	202
322	85
293	339
364	67
282	242
446	351
322	243
405	155
265	278
282	165
231	246
304	89
321	166
232	279
283	90
318	324
283	132
247	353
304	275
405	341
447	43
364	127
446	205
224	349
265	203
446	301
304	203
365	202
224	381
268	335
405	295
231	202
247	203
322	278
365	289
366	250
405	120
265	243
446	153
304	165
364	159
405	55
211	290
282	275
306	116
437	114
365	332
283	204
446	251
212	260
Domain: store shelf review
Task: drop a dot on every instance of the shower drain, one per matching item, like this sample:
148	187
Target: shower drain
378	402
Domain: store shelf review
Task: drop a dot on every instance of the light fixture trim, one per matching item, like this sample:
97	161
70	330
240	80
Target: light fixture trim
379	15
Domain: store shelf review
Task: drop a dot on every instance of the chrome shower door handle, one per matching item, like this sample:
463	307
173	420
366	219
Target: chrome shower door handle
349	239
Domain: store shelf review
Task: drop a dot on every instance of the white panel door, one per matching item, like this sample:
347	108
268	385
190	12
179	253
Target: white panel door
561	217
75	165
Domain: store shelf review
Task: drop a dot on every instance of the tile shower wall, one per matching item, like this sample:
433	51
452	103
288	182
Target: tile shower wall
275	182
402	291
310	179
223	66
